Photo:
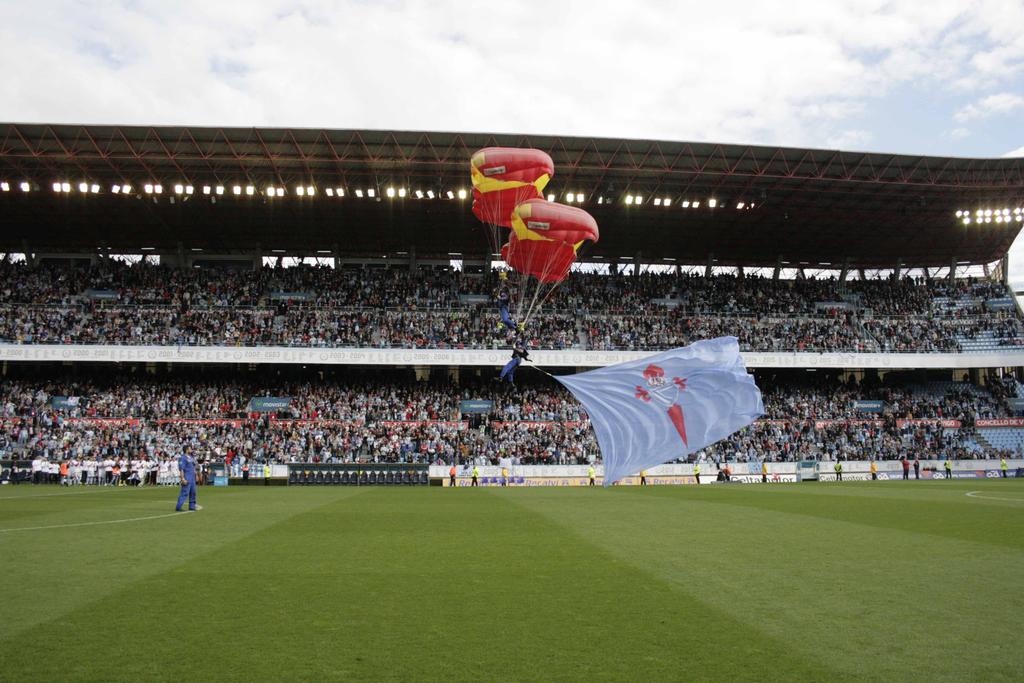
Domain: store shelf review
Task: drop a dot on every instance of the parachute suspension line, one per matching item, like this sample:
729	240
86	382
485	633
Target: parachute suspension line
551	287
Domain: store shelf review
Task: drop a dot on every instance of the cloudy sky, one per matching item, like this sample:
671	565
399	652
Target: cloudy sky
941	77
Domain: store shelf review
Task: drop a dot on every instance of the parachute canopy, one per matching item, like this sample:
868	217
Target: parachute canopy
545	237
543	259
504	177
538	219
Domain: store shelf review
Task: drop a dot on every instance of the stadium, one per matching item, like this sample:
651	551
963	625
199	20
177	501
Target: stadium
310	314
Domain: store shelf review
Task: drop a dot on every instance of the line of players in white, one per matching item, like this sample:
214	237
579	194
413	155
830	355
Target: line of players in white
107	472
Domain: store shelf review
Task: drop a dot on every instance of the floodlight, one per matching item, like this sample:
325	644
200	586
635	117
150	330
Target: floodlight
94	188
236	190
25	187
462	194
300	190
1006	212
5	186
116	189
740	205
148	188
430	194
686	204
310	190
570	197
629	199
988	212
371	193
219	189
280	192
551	197
579	198
712	203
340	192
401	192
250	190
419	194
657	201
638	199
126	189
83	187
158	189
600	200
189	189
390	192
56	187
451	195
359	193
999	218
178	189
696	205
959	213
329	191
667	201
967	220
271	191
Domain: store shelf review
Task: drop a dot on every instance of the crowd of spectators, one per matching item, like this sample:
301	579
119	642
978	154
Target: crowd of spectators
111	302
394	420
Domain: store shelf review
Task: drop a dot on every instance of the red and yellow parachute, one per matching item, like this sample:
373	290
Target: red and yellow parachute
503	177
544	237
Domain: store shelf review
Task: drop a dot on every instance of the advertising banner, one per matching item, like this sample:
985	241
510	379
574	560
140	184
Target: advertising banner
1001	422
945	424
64	402
869	406
269	404
476	406
291	296
101	294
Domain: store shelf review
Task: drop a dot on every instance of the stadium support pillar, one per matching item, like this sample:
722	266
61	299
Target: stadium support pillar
984	270
257	257
898	270
861	271
636	263
30	258
778	268
181	257
845	271
710	265
739	272
1004	268
952	269
412	261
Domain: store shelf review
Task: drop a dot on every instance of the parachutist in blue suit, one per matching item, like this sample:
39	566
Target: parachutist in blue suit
504	298
519	354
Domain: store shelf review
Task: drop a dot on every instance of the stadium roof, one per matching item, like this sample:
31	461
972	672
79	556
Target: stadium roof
809	206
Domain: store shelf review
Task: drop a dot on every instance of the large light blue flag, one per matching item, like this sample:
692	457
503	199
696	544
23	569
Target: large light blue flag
668	405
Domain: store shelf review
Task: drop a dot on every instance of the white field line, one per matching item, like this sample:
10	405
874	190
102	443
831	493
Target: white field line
976	494
111	521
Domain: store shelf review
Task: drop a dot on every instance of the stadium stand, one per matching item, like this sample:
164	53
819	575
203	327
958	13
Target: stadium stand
788	258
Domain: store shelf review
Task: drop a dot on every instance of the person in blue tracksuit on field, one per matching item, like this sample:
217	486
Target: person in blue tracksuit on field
187	472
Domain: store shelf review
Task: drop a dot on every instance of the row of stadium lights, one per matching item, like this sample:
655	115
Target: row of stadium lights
991	215
311	191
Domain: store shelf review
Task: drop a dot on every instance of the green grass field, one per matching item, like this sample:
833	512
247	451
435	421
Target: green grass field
823	582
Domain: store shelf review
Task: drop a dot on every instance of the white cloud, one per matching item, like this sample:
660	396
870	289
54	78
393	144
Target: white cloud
641	69
959	133
1015	153
993	105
